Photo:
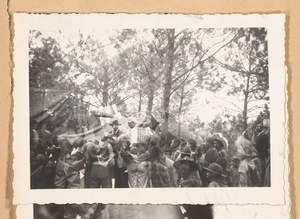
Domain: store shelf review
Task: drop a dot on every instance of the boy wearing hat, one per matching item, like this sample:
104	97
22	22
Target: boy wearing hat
115	132
220	144
214	176
186	168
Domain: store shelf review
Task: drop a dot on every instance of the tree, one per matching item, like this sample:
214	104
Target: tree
169	60
103	78
47	63
185	57
141	57
246	60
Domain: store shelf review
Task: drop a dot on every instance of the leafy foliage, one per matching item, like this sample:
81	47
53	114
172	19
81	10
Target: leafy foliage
160	71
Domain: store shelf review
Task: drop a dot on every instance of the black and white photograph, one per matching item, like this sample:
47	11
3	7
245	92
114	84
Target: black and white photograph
185	106
149	211
101	211
149	108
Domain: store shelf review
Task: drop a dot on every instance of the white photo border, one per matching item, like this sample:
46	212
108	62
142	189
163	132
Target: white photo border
273	195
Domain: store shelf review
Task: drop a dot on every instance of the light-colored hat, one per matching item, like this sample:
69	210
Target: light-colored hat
220	138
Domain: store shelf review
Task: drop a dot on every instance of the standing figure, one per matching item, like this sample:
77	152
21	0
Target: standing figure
215	177
67	175
261	139
248	172
186	168
99	171
220	144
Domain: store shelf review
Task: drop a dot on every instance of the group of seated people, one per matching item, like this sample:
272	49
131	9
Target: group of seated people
115	162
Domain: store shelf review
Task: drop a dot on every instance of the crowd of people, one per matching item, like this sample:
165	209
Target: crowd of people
69	160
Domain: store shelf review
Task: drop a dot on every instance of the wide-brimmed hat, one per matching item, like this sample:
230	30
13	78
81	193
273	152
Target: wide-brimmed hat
114	122
215	168
193	166
185	151
218	137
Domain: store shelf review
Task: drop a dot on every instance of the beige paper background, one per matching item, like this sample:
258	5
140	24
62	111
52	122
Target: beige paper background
289	7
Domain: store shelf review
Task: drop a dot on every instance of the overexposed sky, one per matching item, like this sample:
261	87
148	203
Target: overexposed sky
206	104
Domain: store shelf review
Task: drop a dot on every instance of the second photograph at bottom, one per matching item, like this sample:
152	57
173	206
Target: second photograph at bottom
115	211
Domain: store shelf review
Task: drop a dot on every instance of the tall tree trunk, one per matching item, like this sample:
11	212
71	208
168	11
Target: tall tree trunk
79	114
140	97
150	104
167	85
179	112
246	92
150	101
245	110
105	93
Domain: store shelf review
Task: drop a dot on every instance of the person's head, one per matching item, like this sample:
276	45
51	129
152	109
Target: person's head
218	145
141	151
47	137
185	166
184	169
124	141
155	153
210	144
92	148
152	141
213	170
258	127
265	124
175	143
131	124
115	125
133	150
235	162
185	152
192	144
222	162
123	137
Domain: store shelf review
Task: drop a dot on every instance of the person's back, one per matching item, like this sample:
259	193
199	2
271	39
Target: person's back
132	168
218	181
159	175
248	174
172	172
143	175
